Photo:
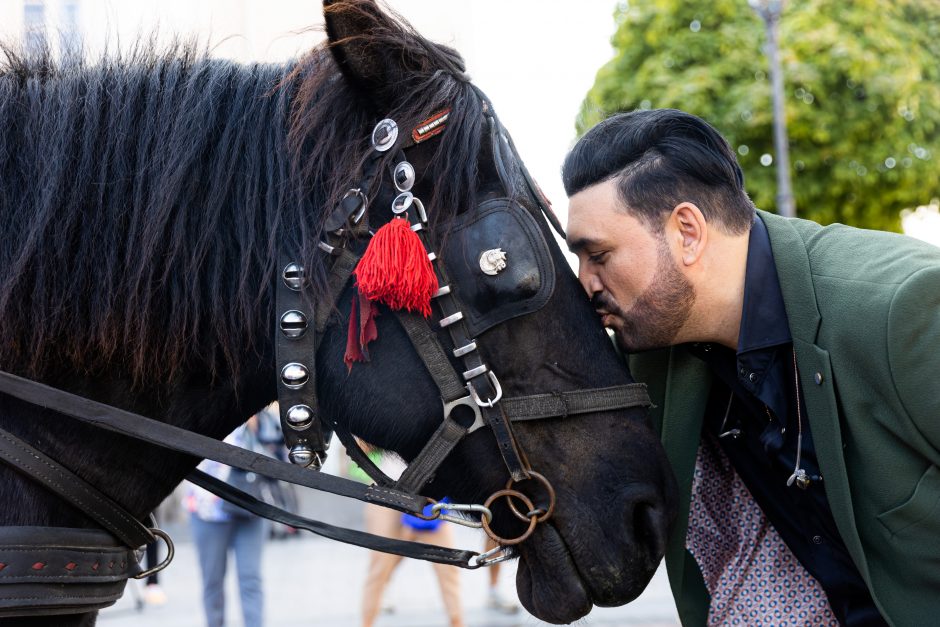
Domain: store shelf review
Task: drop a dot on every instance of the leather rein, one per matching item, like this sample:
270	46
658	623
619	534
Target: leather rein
35	561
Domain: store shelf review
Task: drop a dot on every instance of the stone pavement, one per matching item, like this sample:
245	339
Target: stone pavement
312	582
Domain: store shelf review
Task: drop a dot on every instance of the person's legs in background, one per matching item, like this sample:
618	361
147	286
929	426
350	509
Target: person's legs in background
384	522
153	593
495	600
248	538
212	542
448	577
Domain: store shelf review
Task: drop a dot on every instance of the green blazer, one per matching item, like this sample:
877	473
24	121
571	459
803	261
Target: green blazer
864	313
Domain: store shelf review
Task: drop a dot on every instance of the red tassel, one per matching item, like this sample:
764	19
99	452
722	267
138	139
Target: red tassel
361	330
367	329
353	347
395	269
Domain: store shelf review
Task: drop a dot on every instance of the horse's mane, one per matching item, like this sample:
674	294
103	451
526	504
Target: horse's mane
144	196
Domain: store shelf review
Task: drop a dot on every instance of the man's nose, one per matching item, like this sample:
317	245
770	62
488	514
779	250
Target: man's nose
589	281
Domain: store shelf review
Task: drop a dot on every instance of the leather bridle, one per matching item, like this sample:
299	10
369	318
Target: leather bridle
472	398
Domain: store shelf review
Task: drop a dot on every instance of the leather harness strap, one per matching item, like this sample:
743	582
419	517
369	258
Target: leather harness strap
417	550
564	404
175	438
422	468
73	489
429	349
37	561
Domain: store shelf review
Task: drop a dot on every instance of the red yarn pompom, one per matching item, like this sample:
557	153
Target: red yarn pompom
395	269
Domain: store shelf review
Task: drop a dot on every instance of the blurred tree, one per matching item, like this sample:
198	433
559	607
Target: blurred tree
862	84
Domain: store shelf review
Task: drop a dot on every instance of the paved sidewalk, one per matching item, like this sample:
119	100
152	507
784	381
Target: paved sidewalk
309	581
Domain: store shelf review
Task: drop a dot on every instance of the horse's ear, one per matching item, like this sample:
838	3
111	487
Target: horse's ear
362	42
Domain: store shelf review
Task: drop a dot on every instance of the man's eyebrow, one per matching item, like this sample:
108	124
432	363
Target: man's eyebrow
579	244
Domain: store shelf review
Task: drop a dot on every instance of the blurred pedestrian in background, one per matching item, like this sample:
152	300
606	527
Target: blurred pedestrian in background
495	600
219	526
392	524
153	592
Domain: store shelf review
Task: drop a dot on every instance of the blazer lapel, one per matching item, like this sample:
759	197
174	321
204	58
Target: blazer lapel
816	379
687	389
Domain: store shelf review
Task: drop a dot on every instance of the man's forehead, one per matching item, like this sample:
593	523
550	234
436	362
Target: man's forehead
591	213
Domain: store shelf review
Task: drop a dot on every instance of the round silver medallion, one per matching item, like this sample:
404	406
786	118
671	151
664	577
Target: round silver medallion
293	324
402	202
293	276
294	375
301	454
384	135
404	176
299	417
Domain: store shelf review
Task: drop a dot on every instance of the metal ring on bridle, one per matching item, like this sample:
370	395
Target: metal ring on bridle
509	494
170	553
543	514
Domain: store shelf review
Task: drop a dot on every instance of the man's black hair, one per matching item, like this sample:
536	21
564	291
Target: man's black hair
662	158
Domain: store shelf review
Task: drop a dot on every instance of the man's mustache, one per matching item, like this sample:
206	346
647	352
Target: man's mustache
601	301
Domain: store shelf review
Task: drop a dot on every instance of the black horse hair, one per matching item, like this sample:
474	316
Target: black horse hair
144	196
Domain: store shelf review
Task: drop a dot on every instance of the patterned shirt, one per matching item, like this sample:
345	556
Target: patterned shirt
752	418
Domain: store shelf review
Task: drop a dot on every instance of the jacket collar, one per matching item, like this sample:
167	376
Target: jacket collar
792	261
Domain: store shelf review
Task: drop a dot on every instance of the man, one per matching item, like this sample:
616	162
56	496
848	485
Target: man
794	370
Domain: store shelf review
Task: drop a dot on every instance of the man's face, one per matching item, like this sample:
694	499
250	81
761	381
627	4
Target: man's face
628	270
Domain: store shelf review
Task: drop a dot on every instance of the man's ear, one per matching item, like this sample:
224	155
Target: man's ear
362	39
690	230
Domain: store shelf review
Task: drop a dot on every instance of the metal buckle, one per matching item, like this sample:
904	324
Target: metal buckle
364	203
473	405
490	402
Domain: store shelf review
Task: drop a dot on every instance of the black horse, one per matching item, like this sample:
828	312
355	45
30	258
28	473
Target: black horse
144	199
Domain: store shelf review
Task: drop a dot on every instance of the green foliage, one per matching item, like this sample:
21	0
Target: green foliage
862	94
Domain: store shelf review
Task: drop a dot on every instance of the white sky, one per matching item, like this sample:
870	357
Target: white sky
535	59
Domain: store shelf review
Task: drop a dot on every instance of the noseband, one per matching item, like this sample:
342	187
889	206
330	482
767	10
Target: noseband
471	396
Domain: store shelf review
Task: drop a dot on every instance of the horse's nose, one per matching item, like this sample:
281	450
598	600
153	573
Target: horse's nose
650	527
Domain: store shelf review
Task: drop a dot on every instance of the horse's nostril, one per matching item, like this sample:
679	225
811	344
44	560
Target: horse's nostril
650	528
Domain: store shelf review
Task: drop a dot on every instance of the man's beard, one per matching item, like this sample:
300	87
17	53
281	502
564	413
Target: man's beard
658	314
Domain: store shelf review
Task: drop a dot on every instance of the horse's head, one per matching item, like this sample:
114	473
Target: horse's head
522	306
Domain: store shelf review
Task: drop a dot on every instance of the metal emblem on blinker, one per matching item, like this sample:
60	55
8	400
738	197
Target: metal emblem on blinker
492	262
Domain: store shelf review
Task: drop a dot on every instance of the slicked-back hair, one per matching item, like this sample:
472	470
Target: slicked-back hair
662	158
